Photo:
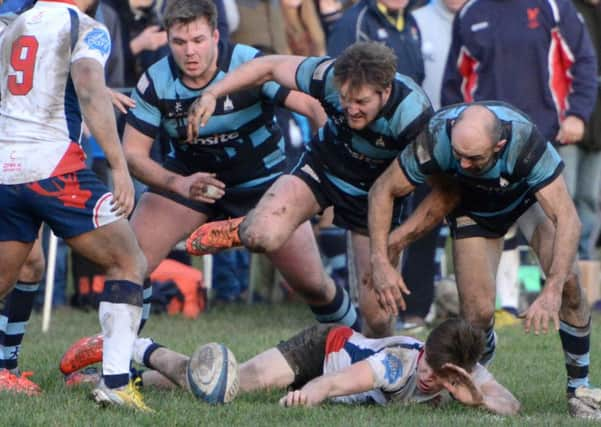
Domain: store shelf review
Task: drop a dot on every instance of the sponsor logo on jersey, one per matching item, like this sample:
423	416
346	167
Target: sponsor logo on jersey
219	138
98	39
393	368
503	182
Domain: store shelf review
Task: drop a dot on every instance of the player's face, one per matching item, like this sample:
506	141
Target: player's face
362	105
475	160
194	49
428	382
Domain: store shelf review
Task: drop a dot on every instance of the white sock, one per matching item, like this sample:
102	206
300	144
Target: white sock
119	324
140	347
508	285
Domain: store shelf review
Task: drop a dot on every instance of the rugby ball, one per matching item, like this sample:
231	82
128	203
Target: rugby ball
212	374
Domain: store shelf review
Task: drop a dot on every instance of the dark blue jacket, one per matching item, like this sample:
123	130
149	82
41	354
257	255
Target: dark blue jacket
364	22
534	54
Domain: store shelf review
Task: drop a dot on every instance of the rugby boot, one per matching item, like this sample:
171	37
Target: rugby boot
214	236
585	403
89	375
84	352
18	383
129	396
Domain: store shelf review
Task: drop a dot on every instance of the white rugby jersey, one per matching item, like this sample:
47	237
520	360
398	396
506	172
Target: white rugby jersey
40	119
394	364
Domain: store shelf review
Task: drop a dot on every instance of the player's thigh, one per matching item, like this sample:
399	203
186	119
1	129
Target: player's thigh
160	223
114	248
476	260
540	233
285	205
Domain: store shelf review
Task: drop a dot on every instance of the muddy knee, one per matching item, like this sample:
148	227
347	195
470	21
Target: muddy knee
259	237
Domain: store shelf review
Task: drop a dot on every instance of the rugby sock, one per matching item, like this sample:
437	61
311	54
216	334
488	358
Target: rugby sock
147	295
339	310
13	322
575	341
143	348
119	312
490	347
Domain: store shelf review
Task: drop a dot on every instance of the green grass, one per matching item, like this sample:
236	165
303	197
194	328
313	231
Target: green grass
532	367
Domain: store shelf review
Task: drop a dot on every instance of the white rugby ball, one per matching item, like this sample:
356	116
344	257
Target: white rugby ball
212	373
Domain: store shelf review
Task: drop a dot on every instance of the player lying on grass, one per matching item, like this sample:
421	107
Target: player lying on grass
334	362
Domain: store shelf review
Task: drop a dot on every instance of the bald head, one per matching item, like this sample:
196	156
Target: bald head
476	137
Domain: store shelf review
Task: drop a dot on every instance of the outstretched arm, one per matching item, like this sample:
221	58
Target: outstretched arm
559	259
279	68
357	378
386	281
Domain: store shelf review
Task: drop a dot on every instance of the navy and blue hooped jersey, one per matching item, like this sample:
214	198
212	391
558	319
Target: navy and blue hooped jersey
241	142
353	159
526	163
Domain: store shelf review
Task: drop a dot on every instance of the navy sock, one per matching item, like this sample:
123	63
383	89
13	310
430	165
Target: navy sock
576	341
13	322
340	310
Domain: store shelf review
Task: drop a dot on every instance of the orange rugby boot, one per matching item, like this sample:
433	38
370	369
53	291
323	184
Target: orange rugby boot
84	352
214	236
18	383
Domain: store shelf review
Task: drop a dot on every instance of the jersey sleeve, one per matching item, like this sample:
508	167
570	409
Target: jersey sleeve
146	115
94	43
417	160
391	369
546	169
313	74
532	157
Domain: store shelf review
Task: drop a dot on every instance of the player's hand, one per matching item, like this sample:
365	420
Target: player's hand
123	192
389	287
543	310
152	38
311	394
201	187
571	130
460	384
121	101
199	113
294	398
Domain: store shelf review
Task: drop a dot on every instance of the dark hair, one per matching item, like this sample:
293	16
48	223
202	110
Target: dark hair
365	63
454	341
186	11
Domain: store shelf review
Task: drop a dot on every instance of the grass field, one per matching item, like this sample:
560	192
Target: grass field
532	367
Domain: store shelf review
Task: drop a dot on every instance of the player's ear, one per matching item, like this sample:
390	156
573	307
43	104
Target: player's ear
499	145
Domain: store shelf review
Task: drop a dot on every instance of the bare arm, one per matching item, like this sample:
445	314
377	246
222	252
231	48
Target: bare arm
280	68
137	148
558	206
430	212
489	395
308	106
386	281
95	102
357	378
